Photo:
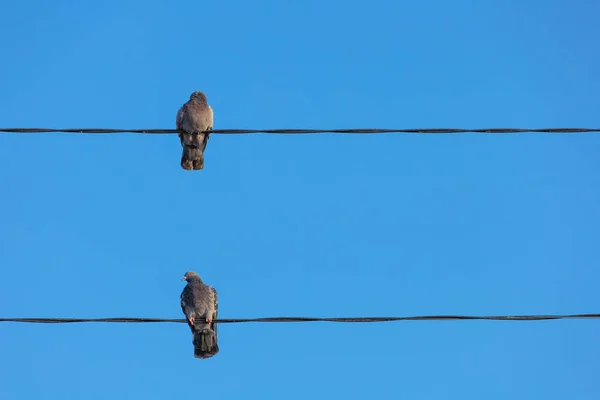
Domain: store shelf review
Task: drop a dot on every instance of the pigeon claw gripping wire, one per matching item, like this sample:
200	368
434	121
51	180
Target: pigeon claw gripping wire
191	323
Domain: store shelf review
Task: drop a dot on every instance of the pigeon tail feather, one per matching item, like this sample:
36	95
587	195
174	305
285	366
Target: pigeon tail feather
192	158
205	343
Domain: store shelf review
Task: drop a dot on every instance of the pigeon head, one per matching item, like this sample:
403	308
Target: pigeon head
200	96
191	276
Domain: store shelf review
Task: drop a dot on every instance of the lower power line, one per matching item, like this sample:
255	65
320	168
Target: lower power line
308	319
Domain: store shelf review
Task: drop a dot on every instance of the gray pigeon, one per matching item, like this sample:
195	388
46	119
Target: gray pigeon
200	305
194	117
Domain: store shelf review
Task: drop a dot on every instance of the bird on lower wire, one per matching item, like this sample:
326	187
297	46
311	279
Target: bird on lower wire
194	117
200	304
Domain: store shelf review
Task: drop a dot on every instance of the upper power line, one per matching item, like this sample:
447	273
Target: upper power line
306	131
311	319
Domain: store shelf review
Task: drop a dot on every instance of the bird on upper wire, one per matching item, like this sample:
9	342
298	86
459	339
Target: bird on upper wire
194	117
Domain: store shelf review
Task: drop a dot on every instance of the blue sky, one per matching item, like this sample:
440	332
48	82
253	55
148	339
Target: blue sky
304	225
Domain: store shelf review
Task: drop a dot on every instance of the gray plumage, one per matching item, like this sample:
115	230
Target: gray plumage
194	117
200	304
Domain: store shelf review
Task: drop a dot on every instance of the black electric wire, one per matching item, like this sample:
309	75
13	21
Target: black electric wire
306	131
308	319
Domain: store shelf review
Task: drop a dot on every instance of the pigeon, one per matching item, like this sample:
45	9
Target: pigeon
200	304
194	117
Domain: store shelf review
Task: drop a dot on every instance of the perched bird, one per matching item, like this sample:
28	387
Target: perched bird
194	117
200	305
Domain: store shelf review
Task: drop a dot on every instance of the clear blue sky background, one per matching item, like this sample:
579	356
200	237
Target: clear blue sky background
305	225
